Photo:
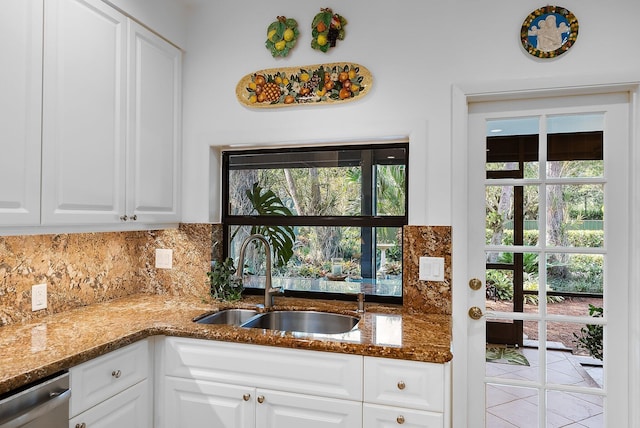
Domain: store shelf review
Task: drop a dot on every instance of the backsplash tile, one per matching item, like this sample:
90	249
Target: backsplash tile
85	268
429	297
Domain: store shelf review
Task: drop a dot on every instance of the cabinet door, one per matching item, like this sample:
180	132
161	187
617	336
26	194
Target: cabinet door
84	113
375	416
153	136
197	403
275	409
129	409
20	111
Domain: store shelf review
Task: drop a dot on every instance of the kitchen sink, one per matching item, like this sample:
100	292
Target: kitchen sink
228	316
303	321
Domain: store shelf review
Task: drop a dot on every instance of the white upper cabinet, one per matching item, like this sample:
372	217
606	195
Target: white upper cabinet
84	112
154	130
20	111
111	105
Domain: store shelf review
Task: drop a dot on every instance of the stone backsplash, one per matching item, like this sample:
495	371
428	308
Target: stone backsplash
429	297
84	268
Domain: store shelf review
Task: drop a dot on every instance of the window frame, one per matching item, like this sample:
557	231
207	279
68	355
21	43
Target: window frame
369	221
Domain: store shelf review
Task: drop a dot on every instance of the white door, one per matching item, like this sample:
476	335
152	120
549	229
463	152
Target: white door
198	403
153	137
546	131
20	112
275	409
84	109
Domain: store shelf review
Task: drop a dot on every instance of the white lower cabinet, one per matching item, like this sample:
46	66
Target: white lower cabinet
196	403
408	393
129	409
204	383
277	409
199	403
114	390
375	416
227	385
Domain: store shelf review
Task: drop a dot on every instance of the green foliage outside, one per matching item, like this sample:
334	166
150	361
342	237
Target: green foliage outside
577	238
500	286
281	238
223	284
306	251
590	337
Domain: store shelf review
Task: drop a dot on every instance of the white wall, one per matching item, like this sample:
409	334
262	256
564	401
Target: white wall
415	49
166	17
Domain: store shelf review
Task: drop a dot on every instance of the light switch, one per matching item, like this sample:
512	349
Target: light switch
164	258
431	269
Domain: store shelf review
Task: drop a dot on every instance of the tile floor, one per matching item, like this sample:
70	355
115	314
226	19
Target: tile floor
509	407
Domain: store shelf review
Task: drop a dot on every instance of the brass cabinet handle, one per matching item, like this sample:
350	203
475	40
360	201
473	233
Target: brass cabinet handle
82	425
116	374
260	399
400	419
124	218
401	385
246	397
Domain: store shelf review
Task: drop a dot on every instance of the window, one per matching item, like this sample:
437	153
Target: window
333	217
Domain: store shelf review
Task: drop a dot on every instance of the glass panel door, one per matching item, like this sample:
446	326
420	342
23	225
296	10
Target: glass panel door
554	249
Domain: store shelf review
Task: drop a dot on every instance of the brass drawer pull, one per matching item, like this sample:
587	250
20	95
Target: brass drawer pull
401	385
116	374
260	399
246	397
400	419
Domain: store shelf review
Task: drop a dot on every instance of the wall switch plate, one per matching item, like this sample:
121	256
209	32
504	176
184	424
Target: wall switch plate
431	269
39	297
164	258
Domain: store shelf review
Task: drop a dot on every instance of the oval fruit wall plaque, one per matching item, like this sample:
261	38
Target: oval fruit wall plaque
313	84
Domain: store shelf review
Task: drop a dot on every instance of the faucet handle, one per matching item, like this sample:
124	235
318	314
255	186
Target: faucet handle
360	302
277	290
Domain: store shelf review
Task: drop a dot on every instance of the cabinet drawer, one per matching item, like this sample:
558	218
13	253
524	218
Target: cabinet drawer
317	373
103	377
404	383
129	409
376	416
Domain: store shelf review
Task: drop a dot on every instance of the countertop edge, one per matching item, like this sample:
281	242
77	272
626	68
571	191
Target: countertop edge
68	354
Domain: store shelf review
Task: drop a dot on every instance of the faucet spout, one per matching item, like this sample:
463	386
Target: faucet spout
269	290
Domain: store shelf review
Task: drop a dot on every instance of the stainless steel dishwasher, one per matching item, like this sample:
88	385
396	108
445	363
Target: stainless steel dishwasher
44	404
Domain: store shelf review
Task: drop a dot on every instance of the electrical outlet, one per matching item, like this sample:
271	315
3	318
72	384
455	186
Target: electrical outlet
39	297
164	258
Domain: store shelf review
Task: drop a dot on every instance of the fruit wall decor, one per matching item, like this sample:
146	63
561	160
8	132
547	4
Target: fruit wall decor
313	84
327	27
282	36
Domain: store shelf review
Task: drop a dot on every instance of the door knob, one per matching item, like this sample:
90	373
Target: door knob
475	313
475	284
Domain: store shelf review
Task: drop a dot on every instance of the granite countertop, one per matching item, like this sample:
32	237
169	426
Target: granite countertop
33	350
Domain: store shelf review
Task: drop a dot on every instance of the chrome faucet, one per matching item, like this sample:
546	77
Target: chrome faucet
269	291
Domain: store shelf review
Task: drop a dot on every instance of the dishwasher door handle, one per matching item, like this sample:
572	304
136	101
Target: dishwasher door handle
28	415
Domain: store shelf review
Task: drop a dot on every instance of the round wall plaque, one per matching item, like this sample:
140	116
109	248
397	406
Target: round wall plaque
549	31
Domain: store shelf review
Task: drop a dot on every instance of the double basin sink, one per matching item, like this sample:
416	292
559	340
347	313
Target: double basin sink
298	321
